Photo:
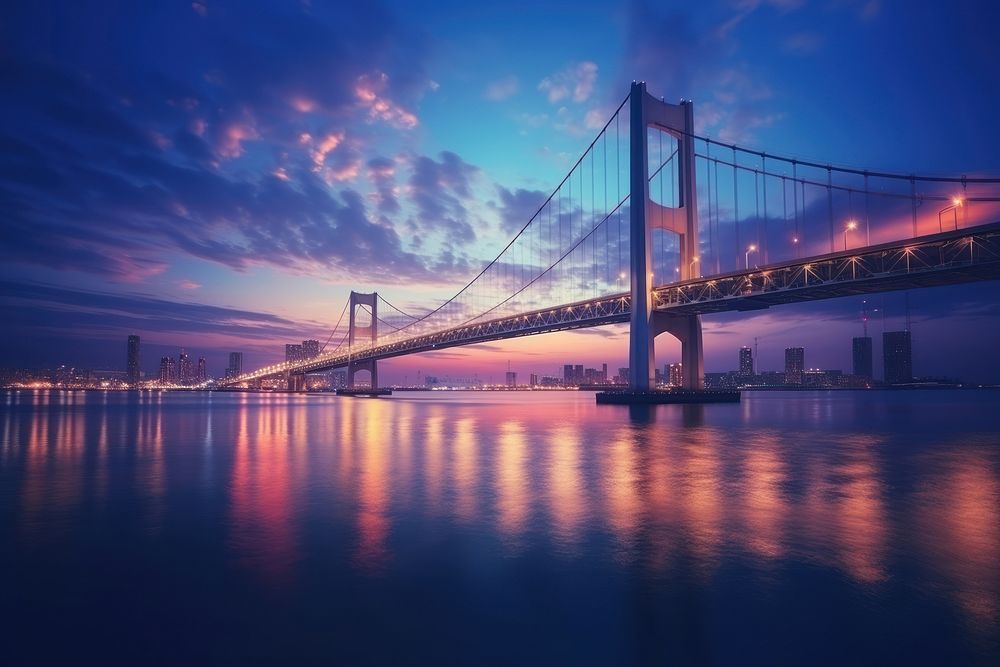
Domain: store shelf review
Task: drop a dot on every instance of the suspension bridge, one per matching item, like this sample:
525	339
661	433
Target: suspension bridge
655	225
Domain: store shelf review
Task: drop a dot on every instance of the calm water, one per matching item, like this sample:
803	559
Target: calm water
499	528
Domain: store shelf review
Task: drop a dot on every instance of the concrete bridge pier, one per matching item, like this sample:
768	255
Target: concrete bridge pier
363	328
296	382
686	329
369	365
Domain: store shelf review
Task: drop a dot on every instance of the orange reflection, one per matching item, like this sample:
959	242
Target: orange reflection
513	497
434	460
860	519
262	510
765	508
373	488
700	474
621	488
566	502
958	526
465	469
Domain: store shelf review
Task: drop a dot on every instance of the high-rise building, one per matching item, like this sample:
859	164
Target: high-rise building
511	378
293	352
132	366
862	354
578	373
623	375
604	373
746	361
675	375
338	379
235	364
310	349
794	364
897	356
568	374
202	370
183	368
168	370
533	379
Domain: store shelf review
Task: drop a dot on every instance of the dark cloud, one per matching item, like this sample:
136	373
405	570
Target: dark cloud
680	56
441	189
382	172
239	144
516	207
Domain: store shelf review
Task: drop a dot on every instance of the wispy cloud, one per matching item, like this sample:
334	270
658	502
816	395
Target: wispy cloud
575	83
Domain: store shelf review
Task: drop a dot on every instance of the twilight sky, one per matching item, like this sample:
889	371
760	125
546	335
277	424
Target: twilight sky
218	175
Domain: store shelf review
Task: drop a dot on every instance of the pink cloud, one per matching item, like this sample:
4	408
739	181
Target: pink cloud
370	91
188	284
303	104
325	147
233	137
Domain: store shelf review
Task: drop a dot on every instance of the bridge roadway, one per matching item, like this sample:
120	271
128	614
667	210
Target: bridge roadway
947	258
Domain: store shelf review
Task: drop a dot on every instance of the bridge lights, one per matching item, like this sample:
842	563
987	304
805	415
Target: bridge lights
746	256
957	202
851	226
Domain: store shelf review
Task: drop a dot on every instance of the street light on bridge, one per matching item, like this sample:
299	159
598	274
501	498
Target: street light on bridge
746	257
957	202
851	226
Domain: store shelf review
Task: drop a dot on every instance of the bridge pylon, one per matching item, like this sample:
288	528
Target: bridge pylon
646	111
362	334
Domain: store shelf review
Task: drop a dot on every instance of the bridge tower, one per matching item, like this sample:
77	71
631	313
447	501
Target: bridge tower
362	334
646	111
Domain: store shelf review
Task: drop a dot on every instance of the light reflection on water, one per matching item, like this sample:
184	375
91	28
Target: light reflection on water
885	505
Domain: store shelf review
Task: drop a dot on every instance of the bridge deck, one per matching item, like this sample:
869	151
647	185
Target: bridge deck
947	258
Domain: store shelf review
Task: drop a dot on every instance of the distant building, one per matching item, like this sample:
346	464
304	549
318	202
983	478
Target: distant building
202	370
794	365
862	354
168	370
184	372
720	380
511	378
623	375
293	352
675	375
897	356
338	379
533	379
310	349
235	368
815	377
746	361
578	374
132	365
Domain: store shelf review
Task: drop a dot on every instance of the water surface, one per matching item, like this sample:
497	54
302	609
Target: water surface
500	528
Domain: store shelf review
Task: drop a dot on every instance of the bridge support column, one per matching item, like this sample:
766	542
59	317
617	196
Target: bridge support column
362	336
646	111
296	382
686	329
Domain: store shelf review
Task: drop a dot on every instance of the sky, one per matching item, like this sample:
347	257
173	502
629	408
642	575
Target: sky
217	176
